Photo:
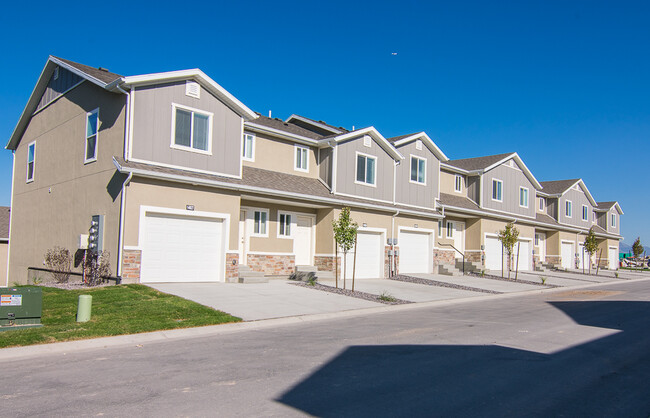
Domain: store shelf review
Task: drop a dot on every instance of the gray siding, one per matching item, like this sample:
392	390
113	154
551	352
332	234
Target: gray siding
617	229
325	165
152	136
473	188
578	198
601	220
412	193
346	165
512	179
551	207
57	87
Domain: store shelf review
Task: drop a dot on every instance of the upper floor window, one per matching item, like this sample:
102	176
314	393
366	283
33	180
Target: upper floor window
31	154
92	120
192	129
541	203
260	222
248	151
418	170
284	225
523	197
497	190
301	162
613	220
585	213
458	183
568	209
366	166
450	229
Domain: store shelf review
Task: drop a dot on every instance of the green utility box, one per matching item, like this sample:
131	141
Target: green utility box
20	307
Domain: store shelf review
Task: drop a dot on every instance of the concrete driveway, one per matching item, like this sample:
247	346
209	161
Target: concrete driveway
500	286
274	299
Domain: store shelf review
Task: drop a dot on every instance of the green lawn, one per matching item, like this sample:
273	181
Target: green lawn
116	310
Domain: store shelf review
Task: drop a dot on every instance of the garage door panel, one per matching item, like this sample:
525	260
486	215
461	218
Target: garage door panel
369	257
524	255
415	252
567	254
493	253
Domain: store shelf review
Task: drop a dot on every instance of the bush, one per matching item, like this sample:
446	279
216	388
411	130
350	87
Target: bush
59	260
98	268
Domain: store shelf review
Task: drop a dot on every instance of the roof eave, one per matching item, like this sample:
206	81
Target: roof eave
427	140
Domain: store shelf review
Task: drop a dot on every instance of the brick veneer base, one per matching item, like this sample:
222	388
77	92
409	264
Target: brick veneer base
272	265
131	262
442	257
473	256
555	260
232	269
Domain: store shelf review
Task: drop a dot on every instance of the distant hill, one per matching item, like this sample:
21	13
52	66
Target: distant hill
627	248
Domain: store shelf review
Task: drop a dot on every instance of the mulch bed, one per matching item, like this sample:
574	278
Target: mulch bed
348	292
411	279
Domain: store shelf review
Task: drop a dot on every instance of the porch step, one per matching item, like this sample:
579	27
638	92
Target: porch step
449	270
470	266
246	275
305	273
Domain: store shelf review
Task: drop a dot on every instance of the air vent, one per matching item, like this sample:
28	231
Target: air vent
418	145
193	89
56	73
367	142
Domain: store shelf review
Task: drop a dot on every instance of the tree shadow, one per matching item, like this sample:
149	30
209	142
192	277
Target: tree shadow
605	377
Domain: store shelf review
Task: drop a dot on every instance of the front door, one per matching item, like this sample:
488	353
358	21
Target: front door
302	241
540	243
459	238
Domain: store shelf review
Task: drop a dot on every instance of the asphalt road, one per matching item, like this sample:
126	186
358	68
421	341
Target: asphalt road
571	353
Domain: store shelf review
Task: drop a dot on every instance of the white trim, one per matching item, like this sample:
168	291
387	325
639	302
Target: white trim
418	158
612	220
93	159
131	119
291	224
570	206
454	169
132	248
254	139
179	167
520	162
27	178
356	168
521	188
269	253
251	126
411	229
456	177
541	205
241	147
492	190
297	147
266	223
583	213
373	133
334	168
191	148
325	255
427	141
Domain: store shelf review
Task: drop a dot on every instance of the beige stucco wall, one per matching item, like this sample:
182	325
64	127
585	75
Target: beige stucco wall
448	181
324	231
4	249
278	155
57	206
490	226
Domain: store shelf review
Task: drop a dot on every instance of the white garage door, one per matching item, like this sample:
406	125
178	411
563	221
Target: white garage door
568	254
370	257
181	249
613	258
493	254
415	252
583	257
524	255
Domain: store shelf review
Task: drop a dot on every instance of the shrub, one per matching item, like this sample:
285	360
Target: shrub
98	268
387	297
59	261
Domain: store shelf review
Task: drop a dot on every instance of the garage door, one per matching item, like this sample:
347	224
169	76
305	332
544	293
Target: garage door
613	258
524	255
493	254
583	257
370	257
181	249
568	253
415	252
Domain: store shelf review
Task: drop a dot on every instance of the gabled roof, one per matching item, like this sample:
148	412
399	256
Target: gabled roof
300	120
558	188
606	206
99	74
371	132
398	141
269	125
479	163
5	213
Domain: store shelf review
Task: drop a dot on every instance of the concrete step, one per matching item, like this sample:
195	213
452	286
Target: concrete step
470	266
448	270
246	275
325	275
253	279
306	268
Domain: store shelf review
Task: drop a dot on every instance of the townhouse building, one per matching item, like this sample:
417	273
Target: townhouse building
186	183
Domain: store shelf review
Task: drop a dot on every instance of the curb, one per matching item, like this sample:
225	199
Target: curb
63	348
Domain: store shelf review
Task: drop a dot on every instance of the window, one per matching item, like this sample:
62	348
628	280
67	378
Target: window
497	190
92	120
536	240
613	220
284	226
585	213
439	229
249	147
31	153
301	159
366	169
450	229
568	209
418	170
192	129
458	184
261	217
523	197
541	203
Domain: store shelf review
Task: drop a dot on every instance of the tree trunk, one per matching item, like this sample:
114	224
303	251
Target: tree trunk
345	267
354	263
336	265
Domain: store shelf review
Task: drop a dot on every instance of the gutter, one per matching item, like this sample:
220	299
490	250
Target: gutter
265	129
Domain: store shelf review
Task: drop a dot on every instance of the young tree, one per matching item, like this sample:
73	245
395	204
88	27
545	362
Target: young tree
637	248
591	245
508	238
345	233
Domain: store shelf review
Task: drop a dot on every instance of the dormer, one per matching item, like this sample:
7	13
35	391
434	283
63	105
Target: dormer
609	216
571	202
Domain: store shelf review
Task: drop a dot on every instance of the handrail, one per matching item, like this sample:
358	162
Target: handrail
459	252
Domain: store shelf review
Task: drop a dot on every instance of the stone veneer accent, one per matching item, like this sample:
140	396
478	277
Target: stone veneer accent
272	265
474	256
324	262
555	260
442	257
232	269
131	261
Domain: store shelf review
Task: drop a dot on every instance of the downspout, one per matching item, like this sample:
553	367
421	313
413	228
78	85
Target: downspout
13	175
392	267
121	238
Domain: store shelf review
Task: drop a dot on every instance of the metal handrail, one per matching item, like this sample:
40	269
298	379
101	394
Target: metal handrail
459	252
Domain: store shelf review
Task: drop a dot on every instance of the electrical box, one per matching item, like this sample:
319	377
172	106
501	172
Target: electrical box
20	307
96	234
83	241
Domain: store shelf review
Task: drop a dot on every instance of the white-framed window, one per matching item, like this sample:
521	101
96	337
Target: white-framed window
191	129
418	170
31	161
439	229
366	168
613	222
568	209
92	126
458	183
541	203
248	149
301	159
450	229
536	240
523	197
497	190
284	224
260	223
585	213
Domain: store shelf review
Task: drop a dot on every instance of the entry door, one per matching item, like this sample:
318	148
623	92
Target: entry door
583	257
567	255
302	241
541	245
459	238
613	258
243	238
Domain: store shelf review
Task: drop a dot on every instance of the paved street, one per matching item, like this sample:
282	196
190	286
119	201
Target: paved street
581	352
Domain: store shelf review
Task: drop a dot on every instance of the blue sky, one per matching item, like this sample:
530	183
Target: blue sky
565	84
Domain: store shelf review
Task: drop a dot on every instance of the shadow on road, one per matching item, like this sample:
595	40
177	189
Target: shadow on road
606	377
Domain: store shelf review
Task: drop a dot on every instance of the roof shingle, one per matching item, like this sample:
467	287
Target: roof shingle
102	75
478	163
557	186
285	126
5	214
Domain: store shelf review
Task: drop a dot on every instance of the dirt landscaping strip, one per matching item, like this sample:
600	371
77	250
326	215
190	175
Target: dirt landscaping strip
389	300
429	282
505	279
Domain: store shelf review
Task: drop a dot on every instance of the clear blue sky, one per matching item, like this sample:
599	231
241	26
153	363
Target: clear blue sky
565	84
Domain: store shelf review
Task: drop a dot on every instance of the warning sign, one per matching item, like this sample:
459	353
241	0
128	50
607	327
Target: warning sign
11	300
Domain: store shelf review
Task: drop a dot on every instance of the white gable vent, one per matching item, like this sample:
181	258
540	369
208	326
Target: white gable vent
56	73
367	142
193	89
418	145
